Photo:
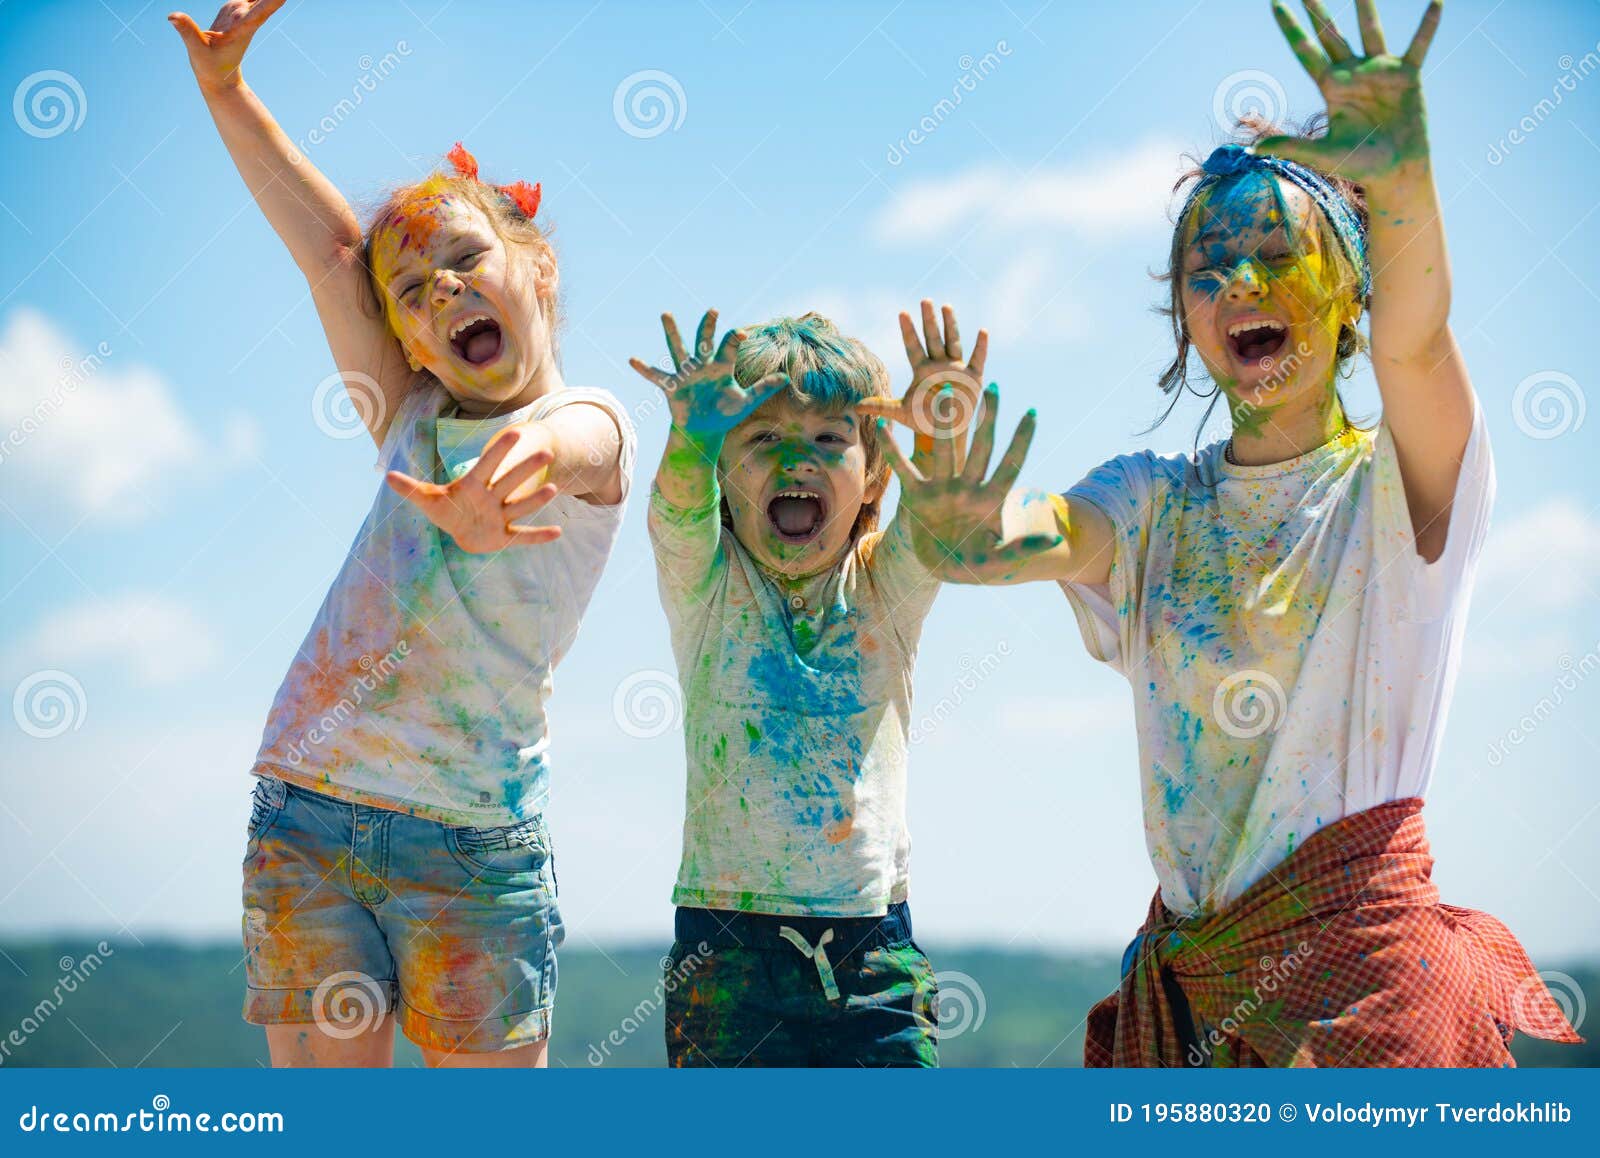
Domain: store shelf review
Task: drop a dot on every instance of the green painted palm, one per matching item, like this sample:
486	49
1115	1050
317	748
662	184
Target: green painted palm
1376	121
702	392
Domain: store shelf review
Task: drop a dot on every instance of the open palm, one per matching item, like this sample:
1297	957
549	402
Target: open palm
936	362
1376	120
215	53
702	391
481	511
955	514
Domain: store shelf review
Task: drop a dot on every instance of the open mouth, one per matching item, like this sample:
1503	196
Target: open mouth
797	516
476	340
1257	338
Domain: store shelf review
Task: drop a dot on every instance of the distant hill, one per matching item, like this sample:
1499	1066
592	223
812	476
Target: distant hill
171	1004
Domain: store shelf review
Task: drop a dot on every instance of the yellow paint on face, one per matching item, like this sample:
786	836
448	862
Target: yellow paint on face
1251	241
411	229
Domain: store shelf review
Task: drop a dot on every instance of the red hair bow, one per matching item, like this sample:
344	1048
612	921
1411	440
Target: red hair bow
523	195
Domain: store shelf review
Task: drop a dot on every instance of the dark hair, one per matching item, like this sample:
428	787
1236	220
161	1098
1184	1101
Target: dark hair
1250	130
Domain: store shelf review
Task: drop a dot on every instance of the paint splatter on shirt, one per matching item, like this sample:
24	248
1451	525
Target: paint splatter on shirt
1291	655
795	719
422	685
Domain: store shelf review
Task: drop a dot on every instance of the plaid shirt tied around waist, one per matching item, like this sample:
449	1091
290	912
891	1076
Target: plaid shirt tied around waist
1341	956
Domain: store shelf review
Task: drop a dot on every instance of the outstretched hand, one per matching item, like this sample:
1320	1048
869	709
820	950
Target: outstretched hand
956	515
1376	119
936	362
702	392
215	54
480	511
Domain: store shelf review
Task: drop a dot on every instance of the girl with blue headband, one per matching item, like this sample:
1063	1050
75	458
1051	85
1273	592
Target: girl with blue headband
1287	605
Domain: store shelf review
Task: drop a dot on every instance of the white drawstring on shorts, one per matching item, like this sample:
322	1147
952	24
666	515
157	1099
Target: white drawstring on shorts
817	954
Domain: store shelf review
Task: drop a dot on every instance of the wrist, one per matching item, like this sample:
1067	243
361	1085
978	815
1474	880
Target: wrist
707	443
212	86
1409	177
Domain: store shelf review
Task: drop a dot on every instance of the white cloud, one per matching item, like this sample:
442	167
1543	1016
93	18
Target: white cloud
1547	558
1028	298
87	426
1536	569
154	638
1113	194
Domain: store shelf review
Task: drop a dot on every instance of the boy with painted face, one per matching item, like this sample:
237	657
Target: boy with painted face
794	625
398	869
1288	608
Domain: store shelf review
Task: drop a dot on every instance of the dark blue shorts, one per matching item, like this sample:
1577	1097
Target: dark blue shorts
752	989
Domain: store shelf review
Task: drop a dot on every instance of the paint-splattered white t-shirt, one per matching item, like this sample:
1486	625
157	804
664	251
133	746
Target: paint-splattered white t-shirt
422	684
797	708
1291	655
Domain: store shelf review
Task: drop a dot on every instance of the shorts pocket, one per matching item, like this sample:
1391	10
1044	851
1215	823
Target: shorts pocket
512	851
266	805
906	961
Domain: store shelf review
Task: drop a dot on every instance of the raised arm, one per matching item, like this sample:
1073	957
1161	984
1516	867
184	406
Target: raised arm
303	208
706	402
1377	136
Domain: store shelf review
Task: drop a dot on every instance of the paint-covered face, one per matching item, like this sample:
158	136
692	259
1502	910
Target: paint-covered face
795	478
1261	299
454	298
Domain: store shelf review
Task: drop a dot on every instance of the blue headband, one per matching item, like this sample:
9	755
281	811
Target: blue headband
1232	160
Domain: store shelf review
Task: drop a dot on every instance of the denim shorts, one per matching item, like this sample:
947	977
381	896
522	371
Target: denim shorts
753	989
352	912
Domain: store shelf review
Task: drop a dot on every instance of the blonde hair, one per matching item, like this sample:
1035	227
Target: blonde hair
827	372
516	231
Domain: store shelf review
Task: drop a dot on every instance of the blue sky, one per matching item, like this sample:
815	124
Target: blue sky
171	523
